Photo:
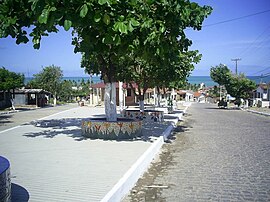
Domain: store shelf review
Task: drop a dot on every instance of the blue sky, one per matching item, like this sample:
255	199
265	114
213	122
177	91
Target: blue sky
247	38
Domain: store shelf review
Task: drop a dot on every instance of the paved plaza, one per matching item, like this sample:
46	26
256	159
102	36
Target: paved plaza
218	155
51	161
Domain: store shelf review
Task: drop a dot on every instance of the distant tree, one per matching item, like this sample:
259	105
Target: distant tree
66	93
10	80
49	79
214	92
220	74
240	87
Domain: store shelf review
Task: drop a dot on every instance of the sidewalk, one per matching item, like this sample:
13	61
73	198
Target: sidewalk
51	161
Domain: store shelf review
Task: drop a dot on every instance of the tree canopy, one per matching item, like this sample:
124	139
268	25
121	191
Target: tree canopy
237	86
49	79
10	80
220	74
106	30
112	35
240	86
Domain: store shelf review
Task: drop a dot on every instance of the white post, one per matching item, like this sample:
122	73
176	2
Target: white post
97	96
120	96
124	92
155	97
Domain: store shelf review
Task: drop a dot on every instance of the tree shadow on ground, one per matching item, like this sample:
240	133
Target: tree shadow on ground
71	127
68	126
178	130
230	108
18	193
153	129
4	119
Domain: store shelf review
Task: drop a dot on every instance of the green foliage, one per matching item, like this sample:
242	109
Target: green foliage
107	31
240	86
49	79
66	92
214	92
237	86
133	41
10	80
220	74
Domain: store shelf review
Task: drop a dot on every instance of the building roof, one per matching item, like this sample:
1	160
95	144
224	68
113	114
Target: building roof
263	86
197	94
102	85
24	90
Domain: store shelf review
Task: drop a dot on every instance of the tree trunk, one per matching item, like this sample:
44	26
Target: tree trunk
121	96
141	102
54	100
158	99
110	102
141	105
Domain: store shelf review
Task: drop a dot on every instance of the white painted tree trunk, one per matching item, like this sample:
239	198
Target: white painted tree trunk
121	96
110	102
141	105
158	99
155	97
97	96
54	100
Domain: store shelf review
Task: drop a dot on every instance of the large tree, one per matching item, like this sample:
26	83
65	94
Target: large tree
49	79
237	86
240	87
10	80
220	74
105	31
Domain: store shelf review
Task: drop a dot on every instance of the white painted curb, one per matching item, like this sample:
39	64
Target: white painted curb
256	112
127	182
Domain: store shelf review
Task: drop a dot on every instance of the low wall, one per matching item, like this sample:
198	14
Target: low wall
5	183
148	115
99	128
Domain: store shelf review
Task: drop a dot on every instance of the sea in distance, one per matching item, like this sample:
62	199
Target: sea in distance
208	82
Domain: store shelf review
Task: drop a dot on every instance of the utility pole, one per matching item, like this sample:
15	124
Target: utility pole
236	60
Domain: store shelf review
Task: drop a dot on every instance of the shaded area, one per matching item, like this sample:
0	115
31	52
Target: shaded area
72	128
69	126
4	119
153	129
18	193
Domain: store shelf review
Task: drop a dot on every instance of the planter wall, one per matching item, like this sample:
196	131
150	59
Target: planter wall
5	183
99	128
148	115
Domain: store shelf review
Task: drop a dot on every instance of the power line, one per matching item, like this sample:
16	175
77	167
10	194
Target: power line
236	60
234	19
261	71
260	43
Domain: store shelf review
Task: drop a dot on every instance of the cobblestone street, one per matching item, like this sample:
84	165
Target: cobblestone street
217	155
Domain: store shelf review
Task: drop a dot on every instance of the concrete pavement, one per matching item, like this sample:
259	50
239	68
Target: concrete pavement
51	161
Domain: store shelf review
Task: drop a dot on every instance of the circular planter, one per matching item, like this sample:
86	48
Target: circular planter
100	128
5	183
148	115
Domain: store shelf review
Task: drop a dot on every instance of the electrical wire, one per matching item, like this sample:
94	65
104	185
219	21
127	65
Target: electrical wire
260	71
235	19
259	44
